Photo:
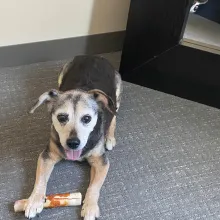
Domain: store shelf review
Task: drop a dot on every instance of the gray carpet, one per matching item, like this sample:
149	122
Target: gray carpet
166	164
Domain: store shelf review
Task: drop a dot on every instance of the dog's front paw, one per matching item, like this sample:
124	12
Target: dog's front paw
110	143
90	210
34	205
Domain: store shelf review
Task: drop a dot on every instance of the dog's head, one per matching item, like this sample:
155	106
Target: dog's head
74	115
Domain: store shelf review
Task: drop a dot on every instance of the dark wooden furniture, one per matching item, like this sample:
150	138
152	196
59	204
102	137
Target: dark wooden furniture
157	55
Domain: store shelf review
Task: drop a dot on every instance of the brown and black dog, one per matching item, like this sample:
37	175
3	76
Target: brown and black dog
83	113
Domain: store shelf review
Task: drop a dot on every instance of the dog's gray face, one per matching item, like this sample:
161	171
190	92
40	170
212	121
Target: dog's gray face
74	116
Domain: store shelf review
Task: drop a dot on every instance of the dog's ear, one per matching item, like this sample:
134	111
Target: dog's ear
45	98
107	101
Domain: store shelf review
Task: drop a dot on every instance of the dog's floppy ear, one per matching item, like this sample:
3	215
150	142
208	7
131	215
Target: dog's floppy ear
45	98
107	101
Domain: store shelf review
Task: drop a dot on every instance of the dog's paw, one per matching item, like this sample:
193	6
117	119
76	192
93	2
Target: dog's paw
34	205
110	143
90	210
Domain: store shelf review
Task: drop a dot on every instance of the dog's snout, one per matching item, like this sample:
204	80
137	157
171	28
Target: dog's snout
73	143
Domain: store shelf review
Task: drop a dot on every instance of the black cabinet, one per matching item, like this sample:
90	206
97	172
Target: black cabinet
169	49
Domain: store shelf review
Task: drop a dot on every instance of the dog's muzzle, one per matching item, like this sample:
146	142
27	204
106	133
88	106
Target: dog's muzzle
72	153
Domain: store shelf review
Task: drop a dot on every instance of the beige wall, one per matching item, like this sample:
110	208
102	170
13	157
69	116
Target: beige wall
27	21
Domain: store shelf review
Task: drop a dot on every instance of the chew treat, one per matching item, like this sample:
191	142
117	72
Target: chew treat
52	201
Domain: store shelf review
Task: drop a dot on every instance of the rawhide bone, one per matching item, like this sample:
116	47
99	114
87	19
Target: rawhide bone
52	201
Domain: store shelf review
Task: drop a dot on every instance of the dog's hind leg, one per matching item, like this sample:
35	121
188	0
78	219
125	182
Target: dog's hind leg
99	170
119	89
62	73
110	137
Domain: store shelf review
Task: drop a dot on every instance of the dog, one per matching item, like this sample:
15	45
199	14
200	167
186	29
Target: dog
83	112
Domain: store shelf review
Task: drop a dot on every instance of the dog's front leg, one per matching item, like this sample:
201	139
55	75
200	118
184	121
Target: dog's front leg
99	170
45	165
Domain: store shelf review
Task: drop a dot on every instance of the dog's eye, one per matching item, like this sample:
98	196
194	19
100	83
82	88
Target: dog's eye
62	118
86	119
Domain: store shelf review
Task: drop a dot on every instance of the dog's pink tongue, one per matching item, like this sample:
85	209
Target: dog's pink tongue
73	154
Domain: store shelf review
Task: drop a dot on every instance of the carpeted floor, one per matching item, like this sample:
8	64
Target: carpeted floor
166	164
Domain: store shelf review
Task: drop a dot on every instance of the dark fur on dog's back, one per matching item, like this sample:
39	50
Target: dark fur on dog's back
88	73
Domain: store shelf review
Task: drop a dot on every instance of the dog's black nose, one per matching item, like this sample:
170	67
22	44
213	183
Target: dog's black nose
73	143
